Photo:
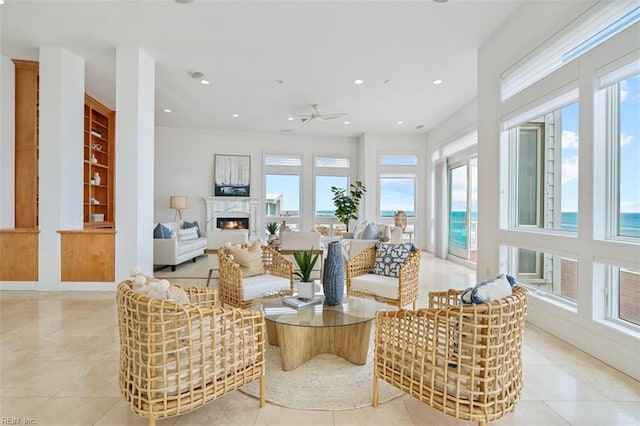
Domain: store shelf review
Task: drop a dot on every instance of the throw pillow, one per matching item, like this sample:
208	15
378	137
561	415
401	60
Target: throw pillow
194	224
359	229
161	232
249	259
187	234
488	291
391	257
370	232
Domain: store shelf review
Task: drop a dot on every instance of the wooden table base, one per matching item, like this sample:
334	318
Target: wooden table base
298	344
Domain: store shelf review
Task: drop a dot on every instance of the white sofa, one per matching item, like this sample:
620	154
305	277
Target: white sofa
356	243
180	246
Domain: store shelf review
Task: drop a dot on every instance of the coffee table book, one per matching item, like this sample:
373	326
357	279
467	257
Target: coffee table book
300	303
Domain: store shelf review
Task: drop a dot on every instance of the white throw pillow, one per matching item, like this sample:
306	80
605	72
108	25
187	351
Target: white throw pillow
488	291
187	234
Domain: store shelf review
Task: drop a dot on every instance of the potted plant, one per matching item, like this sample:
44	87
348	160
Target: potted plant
347	204
272	228
305	261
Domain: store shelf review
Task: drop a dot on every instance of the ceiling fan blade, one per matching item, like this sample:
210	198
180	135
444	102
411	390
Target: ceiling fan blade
301	116
332	116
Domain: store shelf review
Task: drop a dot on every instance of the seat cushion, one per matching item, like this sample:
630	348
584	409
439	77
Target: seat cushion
188	246
376	284
259	286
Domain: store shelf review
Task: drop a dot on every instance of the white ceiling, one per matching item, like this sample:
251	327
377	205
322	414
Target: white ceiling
317	48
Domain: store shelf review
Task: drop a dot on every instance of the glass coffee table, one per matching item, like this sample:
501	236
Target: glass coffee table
303	333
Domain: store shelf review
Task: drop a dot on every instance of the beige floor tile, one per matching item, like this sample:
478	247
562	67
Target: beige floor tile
390	413
43	378
631	408
275	415
72	411
531	413
423	414
19	407
550	382
120	414
234	408
99	380
595	413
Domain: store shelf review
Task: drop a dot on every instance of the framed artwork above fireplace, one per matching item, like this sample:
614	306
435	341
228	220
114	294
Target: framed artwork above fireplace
232	175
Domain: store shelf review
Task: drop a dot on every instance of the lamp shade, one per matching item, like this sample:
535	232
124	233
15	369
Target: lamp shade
178	202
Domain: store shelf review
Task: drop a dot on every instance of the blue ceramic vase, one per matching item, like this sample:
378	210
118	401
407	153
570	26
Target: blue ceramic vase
333	277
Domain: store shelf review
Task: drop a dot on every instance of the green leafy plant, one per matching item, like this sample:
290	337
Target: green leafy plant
347	204
305	261
272	228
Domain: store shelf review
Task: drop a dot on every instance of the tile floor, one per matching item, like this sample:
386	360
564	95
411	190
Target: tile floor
59	364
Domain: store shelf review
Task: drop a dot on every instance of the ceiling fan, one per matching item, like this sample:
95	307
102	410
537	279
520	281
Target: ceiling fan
317	116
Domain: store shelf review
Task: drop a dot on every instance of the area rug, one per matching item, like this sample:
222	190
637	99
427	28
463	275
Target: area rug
326	382
198	270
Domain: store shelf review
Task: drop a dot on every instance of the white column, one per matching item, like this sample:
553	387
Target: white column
61	128
135	99
7	142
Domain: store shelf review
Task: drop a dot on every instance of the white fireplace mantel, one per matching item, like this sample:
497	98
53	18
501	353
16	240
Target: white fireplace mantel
232	207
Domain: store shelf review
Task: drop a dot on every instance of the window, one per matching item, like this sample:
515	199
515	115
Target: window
622	117
282	188
545	274
544	156
328	172
397	184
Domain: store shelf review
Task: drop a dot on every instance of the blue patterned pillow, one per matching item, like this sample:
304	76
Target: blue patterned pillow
391	257
193	224
161	232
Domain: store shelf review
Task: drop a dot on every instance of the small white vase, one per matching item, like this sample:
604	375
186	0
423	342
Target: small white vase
96	178
306	290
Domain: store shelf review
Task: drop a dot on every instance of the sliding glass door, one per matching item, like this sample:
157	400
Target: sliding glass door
463	208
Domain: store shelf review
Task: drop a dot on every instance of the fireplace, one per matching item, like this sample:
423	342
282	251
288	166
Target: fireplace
232	222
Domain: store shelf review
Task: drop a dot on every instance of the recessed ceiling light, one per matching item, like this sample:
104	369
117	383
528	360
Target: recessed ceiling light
1	1
165	110
358	81
196	74
290	118
235	115
438	81
347	122
399	122
205	82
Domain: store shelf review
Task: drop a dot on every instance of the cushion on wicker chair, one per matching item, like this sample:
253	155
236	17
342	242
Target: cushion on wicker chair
249	258
488	291
391	257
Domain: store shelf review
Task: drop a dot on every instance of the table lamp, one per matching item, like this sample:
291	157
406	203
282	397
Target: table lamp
178	202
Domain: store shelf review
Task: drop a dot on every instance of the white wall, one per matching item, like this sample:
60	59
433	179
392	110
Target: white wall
184	165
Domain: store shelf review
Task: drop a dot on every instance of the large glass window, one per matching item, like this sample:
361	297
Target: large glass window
546	273
545	159
328	172
397	193
282	180
324	196
628	153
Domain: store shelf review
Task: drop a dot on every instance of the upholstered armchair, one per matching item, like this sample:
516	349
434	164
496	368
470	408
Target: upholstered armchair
396	291
249	273
176	358
463	360
217	238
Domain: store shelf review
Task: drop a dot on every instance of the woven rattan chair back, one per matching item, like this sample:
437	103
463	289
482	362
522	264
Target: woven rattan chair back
230	287
177	358
463	360
408	283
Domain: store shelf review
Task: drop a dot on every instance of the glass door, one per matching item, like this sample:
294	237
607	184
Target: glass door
463	209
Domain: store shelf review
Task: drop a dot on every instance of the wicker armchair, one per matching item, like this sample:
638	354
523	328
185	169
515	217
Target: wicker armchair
176	358
463	360
398	291
242	292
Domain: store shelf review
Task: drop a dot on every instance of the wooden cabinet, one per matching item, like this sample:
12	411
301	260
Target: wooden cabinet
99	170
